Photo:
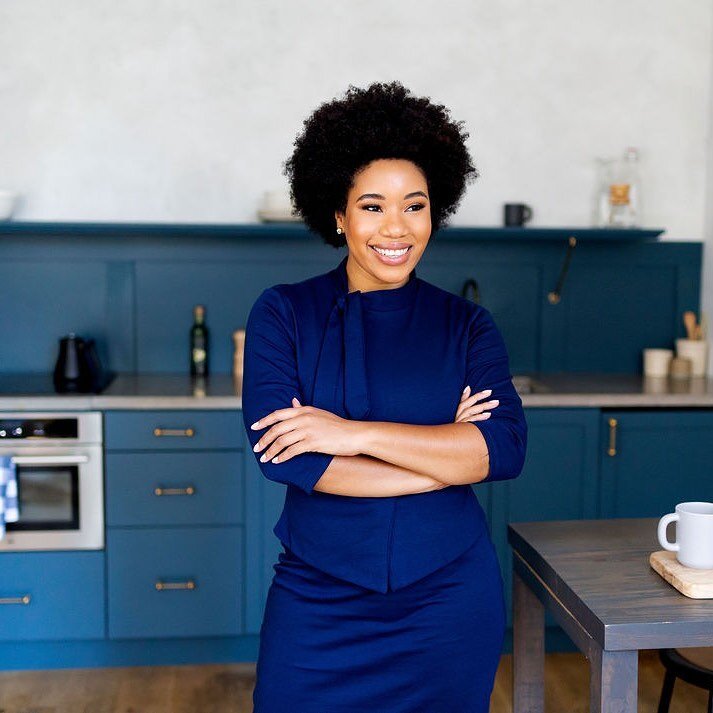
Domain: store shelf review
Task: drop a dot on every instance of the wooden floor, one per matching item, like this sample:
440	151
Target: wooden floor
228	689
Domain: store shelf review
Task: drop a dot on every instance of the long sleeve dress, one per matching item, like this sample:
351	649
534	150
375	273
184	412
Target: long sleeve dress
386	603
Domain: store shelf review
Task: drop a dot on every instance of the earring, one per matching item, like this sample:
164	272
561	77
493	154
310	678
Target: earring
339	231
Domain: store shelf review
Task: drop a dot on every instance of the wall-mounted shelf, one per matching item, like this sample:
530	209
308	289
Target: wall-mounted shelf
249	231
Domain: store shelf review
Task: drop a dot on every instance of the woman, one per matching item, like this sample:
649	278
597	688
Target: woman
357	387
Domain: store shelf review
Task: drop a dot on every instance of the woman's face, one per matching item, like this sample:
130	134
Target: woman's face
388	208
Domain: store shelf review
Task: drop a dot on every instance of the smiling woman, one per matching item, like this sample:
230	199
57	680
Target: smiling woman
365	392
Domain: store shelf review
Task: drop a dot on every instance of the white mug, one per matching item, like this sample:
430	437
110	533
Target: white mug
657	361
694	534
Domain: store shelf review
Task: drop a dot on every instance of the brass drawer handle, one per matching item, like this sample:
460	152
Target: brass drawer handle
190	490
163	586
25	599
180	432
612	437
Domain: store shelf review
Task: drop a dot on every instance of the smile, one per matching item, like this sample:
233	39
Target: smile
390	253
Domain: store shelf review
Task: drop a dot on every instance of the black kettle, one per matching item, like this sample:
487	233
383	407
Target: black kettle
78	369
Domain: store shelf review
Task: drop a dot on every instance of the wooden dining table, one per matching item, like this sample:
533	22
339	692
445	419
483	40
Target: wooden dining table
594	577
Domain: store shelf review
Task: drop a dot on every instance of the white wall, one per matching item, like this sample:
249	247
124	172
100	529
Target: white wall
184	111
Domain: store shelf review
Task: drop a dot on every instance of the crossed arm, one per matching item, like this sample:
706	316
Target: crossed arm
403	459
381	459
453	453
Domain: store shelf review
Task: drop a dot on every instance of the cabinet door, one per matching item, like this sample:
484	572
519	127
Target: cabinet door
558	481
174	488
172	430
174	582
51	595
652	459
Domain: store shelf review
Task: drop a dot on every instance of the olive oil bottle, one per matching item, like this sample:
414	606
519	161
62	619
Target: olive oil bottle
199	343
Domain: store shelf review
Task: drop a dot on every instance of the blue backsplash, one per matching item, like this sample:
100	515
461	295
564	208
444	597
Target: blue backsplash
134	290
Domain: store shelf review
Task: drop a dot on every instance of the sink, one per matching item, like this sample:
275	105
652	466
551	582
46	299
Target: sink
525	384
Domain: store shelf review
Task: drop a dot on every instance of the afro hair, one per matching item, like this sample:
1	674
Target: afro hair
343	136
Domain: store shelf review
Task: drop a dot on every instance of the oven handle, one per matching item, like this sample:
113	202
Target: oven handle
49	460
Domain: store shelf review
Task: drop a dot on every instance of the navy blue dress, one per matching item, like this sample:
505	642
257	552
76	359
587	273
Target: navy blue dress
394	604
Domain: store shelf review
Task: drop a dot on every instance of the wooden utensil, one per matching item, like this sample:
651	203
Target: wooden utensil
238	354
689	322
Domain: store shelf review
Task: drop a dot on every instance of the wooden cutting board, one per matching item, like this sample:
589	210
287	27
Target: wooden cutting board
694	583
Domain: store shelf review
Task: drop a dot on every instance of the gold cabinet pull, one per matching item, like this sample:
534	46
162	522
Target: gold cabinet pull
190	490
178	432
164	586
24	599
612	437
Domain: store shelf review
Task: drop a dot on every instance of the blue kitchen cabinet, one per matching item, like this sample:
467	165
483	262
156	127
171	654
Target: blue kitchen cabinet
174	582
174	488
652	459
172	430
559	480
50	596
175	511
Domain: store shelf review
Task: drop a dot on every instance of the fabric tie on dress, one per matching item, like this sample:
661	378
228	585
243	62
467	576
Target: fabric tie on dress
343	349
343	353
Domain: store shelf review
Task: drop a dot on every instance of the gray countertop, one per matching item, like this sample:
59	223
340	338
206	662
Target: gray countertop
221	391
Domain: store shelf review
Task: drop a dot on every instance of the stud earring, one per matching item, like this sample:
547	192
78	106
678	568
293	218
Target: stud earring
339	231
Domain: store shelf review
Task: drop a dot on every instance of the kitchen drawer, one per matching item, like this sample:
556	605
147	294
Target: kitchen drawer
172	430
200	570
198	488
63	595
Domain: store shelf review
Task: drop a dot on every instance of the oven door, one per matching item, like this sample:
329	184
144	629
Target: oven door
60	499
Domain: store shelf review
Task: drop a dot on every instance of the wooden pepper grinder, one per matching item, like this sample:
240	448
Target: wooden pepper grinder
238	354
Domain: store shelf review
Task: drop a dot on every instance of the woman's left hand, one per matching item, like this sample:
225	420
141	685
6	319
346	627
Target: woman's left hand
301	429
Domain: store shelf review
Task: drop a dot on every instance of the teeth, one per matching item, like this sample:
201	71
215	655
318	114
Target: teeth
391	253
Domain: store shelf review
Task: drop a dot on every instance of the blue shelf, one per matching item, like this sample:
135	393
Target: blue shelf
249	231
557	233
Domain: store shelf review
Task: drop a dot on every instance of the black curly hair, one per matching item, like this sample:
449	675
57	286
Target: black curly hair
384	120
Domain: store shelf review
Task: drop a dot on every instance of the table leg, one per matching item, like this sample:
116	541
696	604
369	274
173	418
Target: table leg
613	681
528	649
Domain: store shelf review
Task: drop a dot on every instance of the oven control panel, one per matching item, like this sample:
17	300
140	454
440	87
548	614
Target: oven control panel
32	429
55	428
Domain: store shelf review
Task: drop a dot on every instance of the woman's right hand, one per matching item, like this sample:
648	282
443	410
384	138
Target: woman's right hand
470	410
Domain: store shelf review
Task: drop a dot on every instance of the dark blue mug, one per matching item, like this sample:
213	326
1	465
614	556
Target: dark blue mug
516	214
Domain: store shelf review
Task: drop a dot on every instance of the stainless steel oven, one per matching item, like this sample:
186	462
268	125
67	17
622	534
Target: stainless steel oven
60	480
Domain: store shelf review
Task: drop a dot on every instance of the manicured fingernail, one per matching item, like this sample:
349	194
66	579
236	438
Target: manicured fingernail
466	389
256	447
274	460
262	458
255	424
487	392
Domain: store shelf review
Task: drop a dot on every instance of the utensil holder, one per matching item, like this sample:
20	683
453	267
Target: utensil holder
697	351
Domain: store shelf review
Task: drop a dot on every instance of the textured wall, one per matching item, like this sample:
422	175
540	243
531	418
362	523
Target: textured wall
184	111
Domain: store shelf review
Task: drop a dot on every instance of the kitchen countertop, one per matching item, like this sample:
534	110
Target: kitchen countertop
221	391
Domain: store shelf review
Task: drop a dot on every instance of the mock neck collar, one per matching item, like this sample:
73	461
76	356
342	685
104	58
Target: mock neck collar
386	299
